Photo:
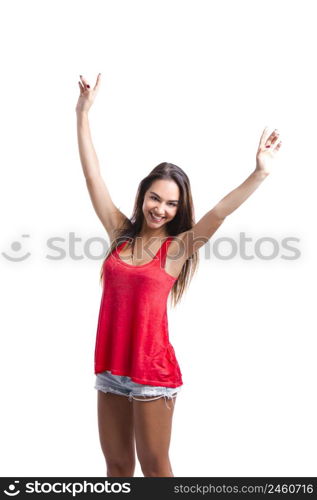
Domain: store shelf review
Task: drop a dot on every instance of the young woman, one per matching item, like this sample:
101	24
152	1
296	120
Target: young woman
153	253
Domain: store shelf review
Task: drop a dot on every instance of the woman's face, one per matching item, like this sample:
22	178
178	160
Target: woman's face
161	202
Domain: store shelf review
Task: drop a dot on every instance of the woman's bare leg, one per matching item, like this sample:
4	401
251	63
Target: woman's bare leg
153	426
116	433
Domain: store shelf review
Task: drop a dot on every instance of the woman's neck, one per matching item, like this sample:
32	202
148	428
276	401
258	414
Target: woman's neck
149	235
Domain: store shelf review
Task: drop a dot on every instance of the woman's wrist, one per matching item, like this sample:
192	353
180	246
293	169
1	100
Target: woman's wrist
80	113
259	174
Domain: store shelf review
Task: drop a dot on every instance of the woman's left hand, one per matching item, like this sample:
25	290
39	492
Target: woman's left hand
268	148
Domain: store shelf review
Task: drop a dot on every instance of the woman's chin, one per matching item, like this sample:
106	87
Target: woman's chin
156	225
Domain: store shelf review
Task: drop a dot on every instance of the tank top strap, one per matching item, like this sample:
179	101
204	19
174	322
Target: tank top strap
163	251
119	247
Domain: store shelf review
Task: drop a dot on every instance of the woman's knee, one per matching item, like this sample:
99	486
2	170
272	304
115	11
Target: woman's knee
156	467
120	467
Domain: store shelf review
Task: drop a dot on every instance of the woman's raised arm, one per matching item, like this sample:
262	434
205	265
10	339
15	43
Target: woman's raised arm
110	216
201	232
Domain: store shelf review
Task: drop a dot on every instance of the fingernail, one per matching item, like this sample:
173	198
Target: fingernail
88	86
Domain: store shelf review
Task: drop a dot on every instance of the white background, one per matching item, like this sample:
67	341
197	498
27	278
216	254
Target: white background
193	83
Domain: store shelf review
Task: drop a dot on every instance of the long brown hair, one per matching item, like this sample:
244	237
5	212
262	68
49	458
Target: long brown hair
183	221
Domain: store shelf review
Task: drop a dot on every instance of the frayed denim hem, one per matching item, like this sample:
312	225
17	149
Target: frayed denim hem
131	396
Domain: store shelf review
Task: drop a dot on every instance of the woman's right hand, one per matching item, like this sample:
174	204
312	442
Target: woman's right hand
87	95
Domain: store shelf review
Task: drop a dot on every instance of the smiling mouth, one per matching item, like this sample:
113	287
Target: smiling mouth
156	219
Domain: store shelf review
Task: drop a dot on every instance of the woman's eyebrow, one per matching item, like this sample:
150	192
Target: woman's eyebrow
152	192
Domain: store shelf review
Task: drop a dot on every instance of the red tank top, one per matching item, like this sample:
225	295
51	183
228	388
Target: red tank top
132	334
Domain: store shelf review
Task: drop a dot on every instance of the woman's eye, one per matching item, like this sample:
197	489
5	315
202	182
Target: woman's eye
154	198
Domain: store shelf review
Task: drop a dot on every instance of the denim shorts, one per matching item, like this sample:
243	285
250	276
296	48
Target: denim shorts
124	386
